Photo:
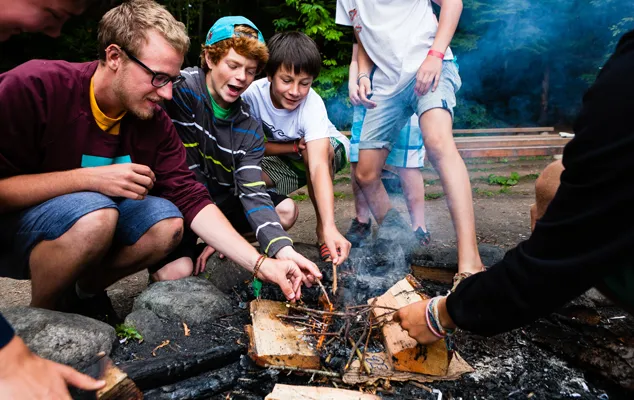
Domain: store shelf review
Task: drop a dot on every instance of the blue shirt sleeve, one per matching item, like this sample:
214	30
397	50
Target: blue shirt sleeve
6	332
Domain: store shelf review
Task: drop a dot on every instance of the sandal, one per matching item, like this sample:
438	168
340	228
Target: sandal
324	253
461	276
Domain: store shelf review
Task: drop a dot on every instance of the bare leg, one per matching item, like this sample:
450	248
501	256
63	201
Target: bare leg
368	176
160	240
545	188
414	192
177	269
288	212
56	264
361	206
443	154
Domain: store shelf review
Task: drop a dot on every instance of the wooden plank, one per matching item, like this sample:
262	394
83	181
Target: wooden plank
118	385
436	274
511	142
512	152
274	342
291	392
503	130
406	354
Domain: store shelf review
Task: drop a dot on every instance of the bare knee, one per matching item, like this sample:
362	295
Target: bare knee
367	176
288	212
165	235
177	269
94	231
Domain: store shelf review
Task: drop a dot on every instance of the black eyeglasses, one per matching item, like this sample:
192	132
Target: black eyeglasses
159	79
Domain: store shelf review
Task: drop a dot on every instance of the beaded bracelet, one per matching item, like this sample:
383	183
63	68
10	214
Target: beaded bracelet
258	264
432	316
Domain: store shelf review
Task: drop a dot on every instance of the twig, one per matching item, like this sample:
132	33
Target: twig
367	339
308	371
334	278
355	347
323	289
321	334
331	313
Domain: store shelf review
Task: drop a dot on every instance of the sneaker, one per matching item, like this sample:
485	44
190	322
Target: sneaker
423	237
98	307
358	232
394	229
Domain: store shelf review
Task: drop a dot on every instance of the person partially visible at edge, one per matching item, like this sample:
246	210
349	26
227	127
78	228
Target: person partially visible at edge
45	16
407	67
225	145
24	375
407	156
303	147
583	240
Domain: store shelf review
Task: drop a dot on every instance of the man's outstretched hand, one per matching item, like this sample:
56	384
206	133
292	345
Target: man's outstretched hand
25	376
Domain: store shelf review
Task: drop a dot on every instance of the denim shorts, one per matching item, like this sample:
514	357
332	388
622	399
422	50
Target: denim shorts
383	123
407	152
23	230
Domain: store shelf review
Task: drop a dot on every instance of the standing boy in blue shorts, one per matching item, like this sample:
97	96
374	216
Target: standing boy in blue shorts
408	156
303	147
406	63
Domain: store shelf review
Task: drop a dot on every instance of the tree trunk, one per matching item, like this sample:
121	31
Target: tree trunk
543	116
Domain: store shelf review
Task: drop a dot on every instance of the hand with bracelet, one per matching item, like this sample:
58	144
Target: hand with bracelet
426	321
284	273
365	90
428	75
299	146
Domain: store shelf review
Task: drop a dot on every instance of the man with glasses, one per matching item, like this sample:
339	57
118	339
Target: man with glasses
94	185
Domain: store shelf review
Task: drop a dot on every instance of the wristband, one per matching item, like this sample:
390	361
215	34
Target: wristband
258	264
435	53
362	75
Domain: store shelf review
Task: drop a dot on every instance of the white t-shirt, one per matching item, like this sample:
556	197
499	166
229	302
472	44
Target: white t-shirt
309	120
396	34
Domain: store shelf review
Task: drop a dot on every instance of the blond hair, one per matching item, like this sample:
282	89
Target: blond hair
246	46
127	25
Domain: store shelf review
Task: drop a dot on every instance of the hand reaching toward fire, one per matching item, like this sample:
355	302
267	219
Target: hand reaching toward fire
284	273
309	269
338	245
414	320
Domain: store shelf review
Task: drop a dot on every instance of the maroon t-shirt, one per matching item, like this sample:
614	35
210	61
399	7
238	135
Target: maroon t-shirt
47	125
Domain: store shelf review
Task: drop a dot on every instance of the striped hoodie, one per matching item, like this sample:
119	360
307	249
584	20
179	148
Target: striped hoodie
225	155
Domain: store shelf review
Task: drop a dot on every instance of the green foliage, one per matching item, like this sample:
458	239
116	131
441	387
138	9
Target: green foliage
342	195
128	332
504	180
434	196
343	179
300	196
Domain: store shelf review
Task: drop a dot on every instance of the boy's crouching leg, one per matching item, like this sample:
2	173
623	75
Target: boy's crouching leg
546	187
288	212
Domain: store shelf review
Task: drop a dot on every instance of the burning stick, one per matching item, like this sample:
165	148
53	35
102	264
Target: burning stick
355	349
308	371
334	278
323	289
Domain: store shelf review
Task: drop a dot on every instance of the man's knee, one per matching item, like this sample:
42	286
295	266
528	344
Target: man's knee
165	235
177	269
288	212
95	229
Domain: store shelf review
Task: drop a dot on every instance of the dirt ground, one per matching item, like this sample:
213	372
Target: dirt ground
502	218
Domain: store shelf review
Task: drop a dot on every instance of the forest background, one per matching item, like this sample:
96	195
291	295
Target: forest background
522	62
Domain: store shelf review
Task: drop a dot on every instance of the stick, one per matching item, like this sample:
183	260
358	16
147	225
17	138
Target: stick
367	339
355	347
308	371
323	289
334	278
331	313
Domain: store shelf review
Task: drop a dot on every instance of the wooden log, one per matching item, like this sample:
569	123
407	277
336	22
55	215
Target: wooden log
118	385
406	354
290	392
162	370
203	386
430	272
275	342
503	130
505	142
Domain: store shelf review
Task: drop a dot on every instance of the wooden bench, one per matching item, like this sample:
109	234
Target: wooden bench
507	142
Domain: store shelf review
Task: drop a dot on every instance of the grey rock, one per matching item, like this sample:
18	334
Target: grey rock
69	339
598	298
190	300
147	324
224	274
